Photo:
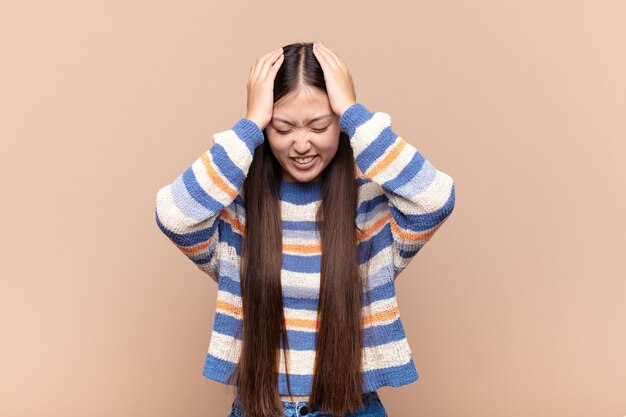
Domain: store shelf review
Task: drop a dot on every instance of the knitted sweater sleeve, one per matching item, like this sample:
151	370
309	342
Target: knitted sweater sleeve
420	197
190	210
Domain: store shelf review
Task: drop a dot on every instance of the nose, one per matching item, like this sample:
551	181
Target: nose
301	143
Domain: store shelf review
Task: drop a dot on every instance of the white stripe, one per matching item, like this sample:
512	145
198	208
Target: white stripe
294	212
171	216
367	132
300	279
303	314
207	184
235	147
429	200
401	160
302	362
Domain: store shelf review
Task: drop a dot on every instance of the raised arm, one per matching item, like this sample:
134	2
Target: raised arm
420	197
188	210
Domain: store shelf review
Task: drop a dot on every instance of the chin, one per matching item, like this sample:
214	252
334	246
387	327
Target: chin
303	177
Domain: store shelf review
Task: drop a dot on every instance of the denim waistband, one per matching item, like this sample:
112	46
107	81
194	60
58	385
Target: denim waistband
297	408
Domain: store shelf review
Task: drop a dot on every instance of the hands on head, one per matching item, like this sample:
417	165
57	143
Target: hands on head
260	86
338	78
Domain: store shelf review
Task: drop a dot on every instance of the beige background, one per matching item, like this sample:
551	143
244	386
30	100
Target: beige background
515	308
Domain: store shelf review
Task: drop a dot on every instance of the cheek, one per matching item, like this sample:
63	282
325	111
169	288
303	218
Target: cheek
329	144
277	145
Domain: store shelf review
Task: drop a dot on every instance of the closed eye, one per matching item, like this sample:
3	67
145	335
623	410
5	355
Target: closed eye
284	132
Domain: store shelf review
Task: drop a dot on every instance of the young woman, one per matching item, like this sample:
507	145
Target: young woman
304	213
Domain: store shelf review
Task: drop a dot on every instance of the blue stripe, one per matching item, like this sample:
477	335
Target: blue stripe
231	237
308	304
207	257
217	369
299	225
368	206
228	325
220	370
229	285
188	184
379	292
309	264
377	242
353	117
249	133
423	222
407	174
305	340
409	253
187	239
394	376
226	166
375	149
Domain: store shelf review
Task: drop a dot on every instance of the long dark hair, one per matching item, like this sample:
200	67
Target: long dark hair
337	380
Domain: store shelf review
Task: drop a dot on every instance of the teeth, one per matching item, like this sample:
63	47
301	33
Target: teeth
303	160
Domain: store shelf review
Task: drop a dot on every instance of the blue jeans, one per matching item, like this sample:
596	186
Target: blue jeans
373	408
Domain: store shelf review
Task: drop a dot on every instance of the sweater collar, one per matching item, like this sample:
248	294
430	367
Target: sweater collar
300	192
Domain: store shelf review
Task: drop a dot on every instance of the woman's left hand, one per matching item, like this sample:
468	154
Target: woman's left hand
339	85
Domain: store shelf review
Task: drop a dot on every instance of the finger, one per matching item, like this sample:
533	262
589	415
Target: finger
256	65
271	70
333	58
321	57
268	64
262	60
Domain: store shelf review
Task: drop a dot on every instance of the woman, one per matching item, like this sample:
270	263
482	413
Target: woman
304	213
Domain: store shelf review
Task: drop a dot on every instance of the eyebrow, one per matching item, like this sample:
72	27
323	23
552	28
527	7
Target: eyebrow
308	121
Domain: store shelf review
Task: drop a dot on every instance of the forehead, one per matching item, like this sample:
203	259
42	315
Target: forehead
302	105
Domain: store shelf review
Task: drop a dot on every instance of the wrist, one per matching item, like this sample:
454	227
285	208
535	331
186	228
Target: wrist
346	107
256	121
353	117
248	131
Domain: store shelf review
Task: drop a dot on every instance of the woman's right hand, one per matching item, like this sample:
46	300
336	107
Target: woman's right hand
261	87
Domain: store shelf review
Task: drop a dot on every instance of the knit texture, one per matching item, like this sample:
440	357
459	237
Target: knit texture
402	201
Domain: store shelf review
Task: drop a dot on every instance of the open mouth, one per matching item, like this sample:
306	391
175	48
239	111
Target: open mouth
304	163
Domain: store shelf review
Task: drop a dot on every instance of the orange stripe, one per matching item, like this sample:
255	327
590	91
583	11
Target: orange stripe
236	225
381	316
215	177
301	323
361	234
312	324
224	306
409	235
302	248
316	249
391	156
193	249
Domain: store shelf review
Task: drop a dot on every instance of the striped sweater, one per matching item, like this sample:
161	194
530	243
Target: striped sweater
402	200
